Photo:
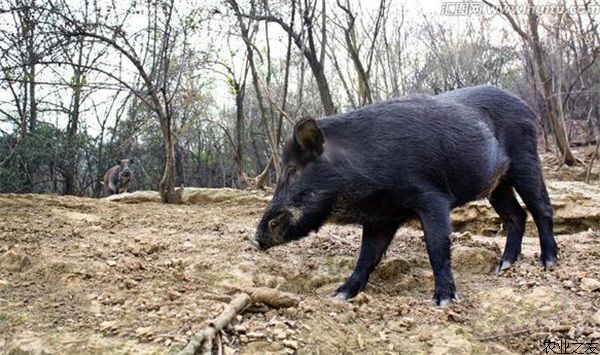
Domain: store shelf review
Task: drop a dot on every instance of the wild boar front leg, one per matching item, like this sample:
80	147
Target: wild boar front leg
434	214
375	240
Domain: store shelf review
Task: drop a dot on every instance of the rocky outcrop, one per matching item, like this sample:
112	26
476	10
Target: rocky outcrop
196	196
576	206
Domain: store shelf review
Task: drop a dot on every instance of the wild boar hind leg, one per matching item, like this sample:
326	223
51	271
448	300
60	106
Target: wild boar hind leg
513	217
375	240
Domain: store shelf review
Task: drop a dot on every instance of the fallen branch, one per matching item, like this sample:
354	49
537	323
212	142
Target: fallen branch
588	171
219	343
340	239
203	340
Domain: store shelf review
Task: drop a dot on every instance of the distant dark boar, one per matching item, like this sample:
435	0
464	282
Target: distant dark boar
412	157
117	178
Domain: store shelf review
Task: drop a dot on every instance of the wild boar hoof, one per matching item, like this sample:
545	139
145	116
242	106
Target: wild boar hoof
549	263
343	296
503	265
445	302
443	298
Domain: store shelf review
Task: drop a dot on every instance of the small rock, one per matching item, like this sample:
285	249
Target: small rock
33	346
596	318
111	262
144	331
425	337
153	249
292	344
454	316
360	341
408	321
272	315
227	350
12	261
383	336
256	335
108	326
572	333
361	298
95	307
290	323
240	328
562	328
279	334
568	284
589	284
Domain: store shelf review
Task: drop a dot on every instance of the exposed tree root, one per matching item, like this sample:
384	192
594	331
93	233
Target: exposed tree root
202	342
273	298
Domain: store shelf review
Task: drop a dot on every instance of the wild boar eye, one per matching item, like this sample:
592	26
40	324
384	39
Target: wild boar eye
291	170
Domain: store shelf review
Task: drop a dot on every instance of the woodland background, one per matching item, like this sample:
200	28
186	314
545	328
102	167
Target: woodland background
203	93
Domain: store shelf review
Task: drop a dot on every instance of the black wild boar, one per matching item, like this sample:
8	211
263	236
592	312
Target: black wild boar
117	178
412	157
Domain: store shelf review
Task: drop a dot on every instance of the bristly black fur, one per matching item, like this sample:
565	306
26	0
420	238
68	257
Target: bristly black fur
417	156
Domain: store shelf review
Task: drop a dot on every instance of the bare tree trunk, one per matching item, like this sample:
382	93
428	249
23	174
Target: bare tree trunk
314	58
286	75
588	171
71	168
271	138
239	132
557	122
33	59
166	187
533	40
29	31
32	99
362	74
324	92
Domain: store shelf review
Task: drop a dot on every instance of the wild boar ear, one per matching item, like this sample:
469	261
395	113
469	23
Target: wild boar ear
308	136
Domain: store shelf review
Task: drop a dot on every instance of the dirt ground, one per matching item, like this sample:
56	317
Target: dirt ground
85	276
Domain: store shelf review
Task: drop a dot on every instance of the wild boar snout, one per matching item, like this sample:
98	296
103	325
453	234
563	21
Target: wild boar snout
271	231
